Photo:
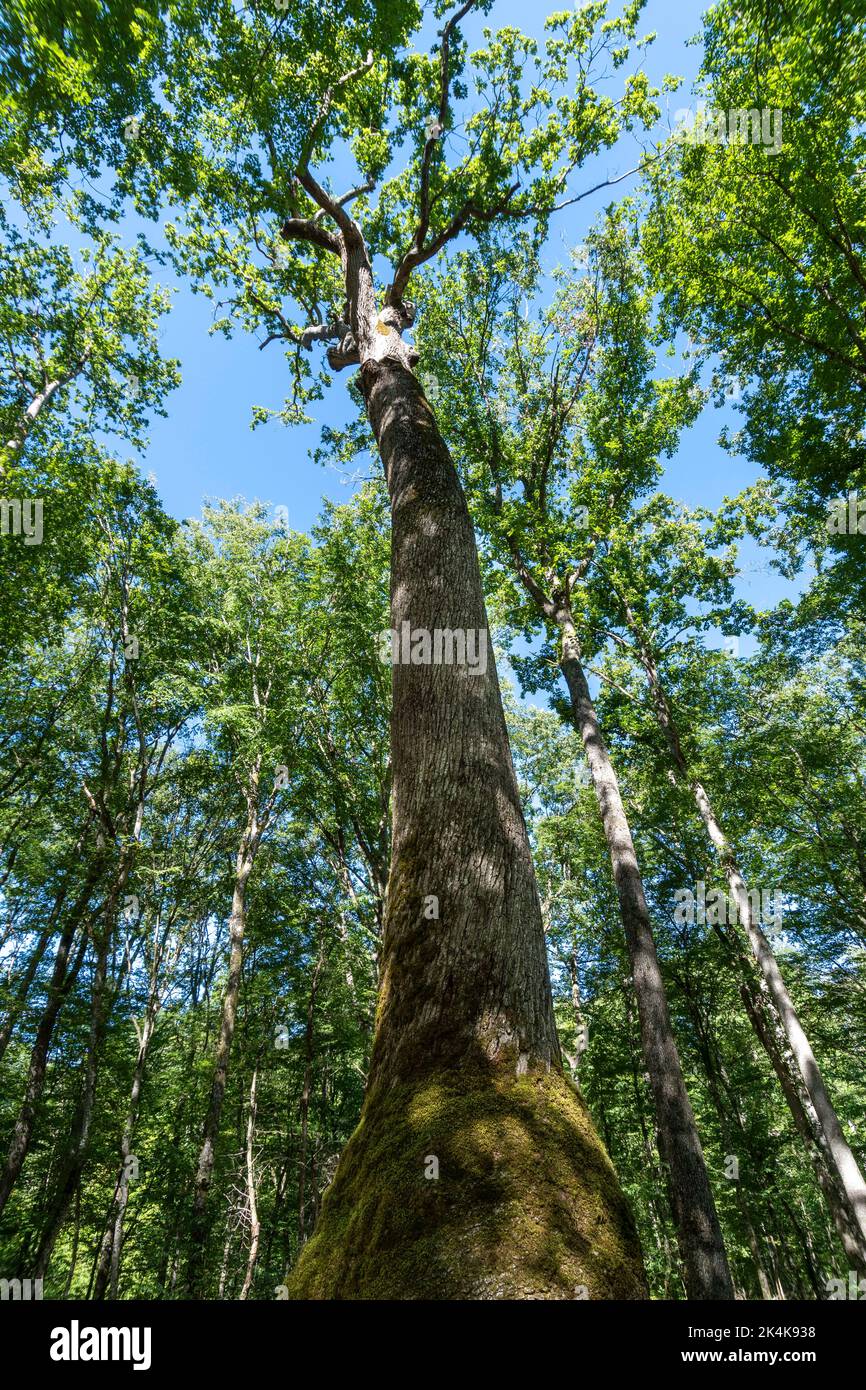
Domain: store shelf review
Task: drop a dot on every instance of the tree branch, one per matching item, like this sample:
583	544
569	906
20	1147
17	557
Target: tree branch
325	109
345	354
415	257
327	204
530	583
438	128
307	229
322	333
366	187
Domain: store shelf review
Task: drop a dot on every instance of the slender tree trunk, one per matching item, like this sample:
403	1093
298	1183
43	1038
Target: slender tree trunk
108	1270
849	1176
754	1246
725	1101
98	1021
64	973
658	1213
174	1209
36	956
698	1232
305	1099
80	1147
475	1171
807	1248
804	1118
26	981
224	1266
255	1224
76	1236
777	1277
207	1154
25	424
581	1038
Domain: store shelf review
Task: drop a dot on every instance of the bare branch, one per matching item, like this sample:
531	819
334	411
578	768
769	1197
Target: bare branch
534	210
307	229
327	204
610	681
415	257
288	333
530	583
438	128
325	109
366	187
346	354
272	338
322	333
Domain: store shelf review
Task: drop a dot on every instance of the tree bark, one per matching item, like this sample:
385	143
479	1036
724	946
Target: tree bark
305	1099
26	422
108	1269
726	1103
660	1188
207	1154
466	1077
767	1027
80	1147
63	977
850	1178
255	1224
38	402
699	1235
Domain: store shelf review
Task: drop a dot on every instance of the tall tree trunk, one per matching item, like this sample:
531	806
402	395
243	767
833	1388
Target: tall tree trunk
763	1018
475	1171
33	964
581	1038
63	976
726	1103
27	420
99	1009
255	1224
850	1178
224	1266
207	1154
108	1269
76	1237
697	1225
80	1146
38	402
174	1208
305	1099
659	1209
808	1249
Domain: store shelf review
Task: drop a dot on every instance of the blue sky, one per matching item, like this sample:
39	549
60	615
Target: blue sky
207	449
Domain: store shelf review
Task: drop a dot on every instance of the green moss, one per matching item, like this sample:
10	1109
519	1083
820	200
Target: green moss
526	1204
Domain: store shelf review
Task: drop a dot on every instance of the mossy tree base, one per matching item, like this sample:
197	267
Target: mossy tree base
526	1204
